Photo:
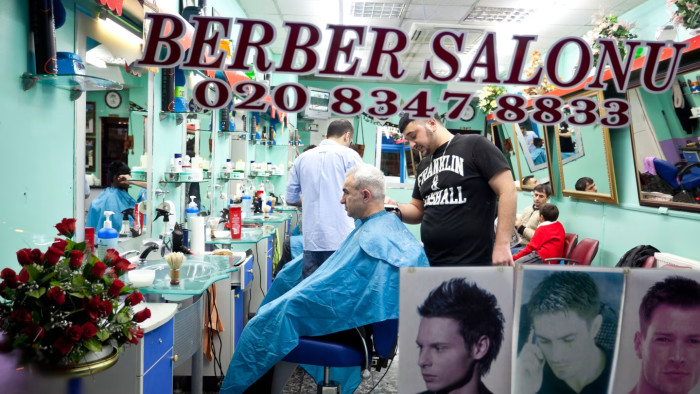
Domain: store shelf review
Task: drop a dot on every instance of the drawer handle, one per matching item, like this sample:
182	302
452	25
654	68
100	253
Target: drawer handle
237	296
174	358
250	271
160	340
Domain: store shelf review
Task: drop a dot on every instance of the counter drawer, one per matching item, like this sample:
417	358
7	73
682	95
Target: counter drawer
156	343
243	276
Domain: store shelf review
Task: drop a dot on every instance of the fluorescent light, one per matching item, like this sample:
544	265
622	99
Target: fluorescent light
376	10
497	14
120	28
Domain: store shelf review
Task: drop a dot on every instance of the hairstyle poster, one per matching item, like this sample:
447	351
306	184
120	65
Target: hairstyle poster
660	341
566	333
455	329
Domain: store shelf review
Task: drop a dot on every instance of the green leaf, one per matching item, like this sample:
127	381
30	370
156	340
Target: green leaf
103	335
78	281
123	317
47	277
36	293
76	294
32	271
93	344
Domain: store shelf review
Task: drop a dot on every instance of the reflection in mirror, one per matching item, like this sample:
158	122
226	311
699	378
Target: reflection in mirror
570	141
502	137
588	176
666	142
532	155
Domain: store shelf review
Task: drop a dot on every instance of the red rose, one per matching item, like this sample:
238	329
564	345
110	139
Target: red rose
37	256
66	227
89	330
74	333
21	316
3	286
98	269
133	298
52	256
136	333
143	315
110	256
121	266
24	256
23	275
8	274
34	332
63	345
116	288
60	244
56	295
76	259
105	308
92	307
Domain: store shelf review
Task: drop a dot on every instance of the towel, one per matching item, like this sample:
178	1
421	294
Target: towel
649	165
212	322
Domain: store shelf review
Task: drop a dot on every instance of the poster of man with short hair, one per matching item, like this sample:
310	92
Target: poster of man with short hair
660	345
567	319
455	328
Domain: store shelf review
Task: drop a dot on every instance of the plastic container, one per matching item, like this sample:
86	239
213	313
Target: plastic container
107	237
234	217
192	210
246	203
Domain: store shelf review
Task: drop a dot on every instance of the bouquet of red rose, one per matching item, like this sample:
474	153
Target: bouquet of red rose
65	303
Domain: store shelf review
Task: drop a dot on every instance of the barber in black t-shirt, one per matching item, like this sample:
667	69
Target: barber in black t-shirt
461	182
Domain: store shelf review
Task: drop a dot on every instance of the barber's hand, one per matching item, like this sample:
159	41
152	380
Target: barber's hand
517	223
389	201
529	367
501	256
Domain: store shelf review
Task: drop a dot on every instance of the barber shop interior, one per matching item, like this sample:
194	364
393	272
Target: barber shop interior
338	196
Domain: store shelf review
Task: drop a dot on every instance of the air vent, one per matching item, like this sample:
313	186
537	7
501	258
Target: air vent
497	14
422	33
366	9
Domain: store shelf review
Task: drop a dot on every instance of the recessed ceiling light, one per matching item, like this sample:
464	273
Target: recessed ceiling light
365	9
497	14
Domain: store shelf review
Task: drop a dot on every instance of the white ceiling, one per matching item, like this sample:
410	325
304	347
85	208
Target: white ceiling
550	20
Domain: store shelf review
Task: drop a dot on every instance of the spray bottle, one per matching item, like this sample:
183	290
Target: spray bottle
125	231
107	237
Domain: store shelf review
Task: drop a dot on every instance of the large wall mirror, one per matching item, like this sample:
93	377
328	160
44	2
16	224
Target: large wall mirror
666	142
503	136
585	157
532	155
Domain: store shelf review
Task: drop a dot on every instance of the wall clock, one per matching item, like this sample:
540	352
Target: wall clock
113	99
468	113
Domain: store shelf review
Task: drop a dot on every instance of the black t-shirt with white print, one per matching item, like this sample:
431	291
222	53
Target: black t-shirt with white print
459	205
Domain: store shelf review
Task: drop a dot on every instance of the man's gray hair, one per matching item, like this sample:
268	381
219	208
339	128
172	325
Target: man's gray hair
369	177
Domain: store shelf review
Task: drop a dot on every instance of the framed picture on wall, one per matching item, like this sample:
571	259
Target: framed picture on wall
90	155
90	118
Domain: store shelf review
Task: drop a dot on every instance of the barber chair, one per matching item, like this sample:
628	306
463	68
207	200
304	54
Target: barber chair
583	253
570	241
681	175
327	354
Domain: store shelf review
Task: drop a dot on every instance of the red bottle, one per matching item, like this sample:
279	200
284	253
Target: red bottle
234	217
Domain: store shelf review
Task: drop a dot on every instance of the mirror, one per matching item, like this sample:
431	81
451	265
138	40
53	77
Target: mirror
502	137
588	175
532	155
666	139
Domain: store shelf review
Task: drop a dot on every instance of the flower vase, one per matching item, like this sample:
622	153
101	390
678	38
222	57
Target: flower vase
91	364
490	117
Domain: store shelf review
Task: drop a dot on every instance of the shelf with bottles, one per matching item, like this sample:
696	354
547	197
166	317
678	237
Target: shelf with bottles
232	176
185	177
75	83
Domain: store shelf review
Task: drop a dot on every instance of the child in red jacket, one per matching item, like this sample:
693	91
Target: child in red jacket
548	240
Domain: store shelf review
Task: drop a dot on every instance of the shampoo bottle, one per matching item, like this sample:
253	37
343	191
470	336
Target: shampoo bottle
106	237
192	210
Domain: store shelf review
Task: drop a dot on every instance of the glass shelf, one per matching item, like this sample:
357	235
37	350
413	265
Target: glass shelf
84	83
177	178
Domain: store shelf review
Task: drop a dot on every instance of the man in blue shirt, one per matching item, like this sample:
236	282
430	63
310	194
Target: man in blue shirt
318	176
115	198
539	156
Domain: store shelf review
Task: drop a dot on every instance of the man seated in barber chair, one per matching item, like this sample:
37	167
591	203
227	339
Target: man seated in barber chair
356	286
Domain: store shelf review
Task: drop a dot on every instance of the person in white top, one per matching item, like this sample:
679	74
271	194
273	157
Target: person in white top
318	175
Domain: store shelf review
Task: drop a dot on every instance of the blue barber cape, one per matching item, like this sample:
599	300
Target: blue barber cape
111	199
356	286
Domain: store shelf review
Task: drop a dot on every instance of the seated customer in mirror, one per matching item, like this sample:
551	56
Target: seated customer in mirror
528	221
538	154
529	182
586	184
529	139
548	241
115	198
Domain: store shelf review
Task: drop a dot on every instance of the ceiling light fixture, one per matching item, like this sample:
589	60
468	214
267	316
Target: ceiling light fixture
119	26
497	14
366	9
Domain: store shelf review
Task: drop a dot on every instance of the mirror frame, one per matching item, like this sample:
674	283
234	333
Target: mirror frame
493	126
609	198
517	135
689	62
